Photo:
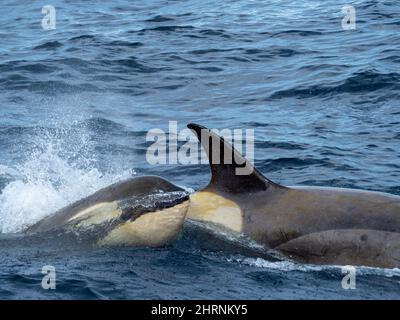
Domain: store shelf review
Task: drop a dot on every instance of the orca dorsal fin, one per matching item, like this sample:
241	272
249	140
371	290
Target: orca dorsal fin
237	175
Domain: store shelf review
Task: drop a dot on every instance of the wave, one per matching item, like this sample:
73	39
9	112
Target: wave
165	29
277	164
83	37
26	66
288	265
160	18
132	64
361	82
49	45
127	44
302	33
280	145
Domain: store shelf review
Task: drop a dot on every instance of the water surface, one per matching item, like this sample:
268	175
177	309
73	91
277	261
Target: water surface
76	104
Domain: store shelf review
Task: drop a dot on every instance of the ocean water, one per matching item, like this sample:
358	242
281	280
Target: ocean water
76	104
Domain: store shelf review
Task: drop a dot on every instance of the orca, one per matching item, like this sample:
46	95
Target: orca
317	225
145	211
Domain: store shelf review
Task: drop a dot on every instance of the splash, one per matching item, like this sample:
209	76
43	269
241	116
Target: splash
60	169
287	265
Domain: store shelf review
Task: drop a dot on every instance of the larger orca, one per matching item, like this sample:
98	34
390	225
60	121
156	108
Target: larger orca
146	211
319	225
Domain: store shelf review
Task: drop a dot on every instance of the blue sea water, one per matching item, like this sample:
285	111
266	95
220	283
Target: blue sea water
76	104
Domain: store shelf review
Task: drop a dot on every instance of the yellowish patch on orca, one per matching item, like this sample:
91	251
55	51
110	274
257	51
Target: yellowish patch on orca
152	229
97	214
208	206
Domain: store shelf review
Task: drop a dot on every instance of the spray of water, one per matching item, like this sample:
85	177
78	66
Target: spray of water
60	169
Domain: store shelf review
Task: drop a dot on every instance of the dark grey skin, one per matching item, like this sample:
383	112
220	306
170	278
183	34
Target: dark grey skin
121	210
308	224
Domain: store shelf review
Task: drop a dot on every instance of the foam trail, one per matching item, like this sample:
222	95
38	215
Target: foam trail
287	265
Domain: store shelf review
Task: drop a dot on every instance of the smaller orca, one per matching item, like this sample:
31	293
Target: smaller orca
146	211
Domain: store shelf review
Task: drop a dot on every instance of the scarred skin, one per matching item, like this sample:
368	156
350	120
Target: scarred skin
309	224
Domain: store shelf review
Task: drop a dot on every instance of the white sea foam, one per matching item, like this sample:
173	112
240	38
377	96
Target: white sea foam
7	171
286	265
187	189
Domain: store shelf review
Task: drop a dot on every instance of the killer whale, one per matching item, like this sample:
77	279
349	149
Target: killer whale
318	225
145	211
